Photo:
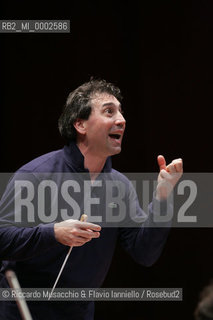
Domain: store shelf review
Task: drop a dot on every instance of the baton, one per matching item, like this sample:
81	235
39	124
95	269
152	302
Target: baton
83	219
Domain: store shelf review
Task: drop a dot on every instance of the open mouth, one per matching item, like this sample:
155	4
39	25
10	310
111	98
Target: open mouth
115	136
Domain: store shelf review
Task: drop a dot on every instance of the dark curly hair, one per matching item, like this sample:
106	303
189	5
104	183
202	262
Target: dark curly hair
78	105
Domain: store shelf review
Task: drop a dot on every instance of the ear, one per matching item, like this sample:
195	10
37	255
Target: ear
80	127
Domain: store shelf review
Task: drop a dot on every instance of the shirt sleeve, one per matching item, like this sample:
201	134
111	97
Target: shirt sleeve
22	238
145	243
20	243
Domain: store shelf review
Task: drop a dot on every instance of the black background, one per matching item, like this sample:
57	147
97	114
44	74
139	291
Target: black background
160	54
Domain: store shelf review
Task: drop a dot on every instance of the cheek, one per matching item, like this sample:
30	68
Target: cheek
99	128
96	131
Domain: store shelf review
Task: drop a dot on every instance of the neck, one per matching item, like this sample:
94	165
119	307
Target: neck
92	162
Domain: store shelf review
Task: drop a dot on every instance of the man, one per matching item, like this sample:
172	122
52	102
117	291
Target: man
93	125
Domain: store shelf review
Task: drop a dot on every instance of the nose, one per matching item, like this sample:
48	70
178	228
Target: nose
120	121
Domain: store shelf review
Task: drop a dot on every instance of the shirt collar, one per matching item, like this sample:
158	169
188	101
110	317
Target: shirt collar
75	159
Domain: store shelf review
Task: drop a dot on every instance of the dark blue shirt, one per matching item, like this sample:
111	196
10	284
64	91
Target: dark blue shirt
32	251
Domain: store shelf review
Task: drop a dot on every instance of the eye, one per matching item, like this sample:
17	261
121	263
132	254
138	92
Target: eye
109	111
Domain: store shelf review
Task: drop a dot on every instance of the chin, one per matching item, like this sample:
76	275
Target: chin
116	151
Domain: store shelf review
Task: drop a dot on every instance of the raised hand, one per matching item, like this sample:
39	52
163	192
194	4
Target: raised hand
168	176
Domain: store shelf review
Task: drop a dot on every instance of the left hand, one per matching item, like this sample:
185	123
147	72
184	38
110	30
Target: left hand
168	177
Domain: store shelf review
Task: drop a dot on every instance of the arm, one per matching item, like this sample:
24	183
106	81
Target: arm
21	240
20	243
23	235
145	244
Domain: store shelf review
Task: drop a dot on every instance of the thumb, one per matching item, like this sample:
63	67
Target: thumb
161	162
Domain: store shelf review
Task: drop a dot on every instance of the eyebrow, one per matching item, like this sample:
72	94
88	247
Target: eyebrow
112	104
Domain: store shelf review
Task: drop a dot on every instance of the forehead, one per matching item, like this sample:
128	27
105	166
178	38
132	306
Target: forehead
101	99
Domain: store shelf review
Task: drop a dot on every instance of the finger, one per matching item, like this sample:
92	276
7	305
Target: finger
80	239
161	162
89	234
77	232
80	225
171	168
88	225
178	164
164	174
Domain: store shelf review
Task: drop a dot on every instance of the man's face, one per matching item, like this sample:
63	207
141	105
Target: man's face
105	126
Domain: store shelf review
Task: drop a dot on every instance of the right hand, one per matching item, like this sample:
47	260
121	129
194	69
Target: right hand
74	233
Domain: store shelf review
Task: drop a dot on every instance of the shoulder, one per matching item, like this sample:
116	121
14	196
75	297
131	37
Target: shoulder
117	175
47	162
